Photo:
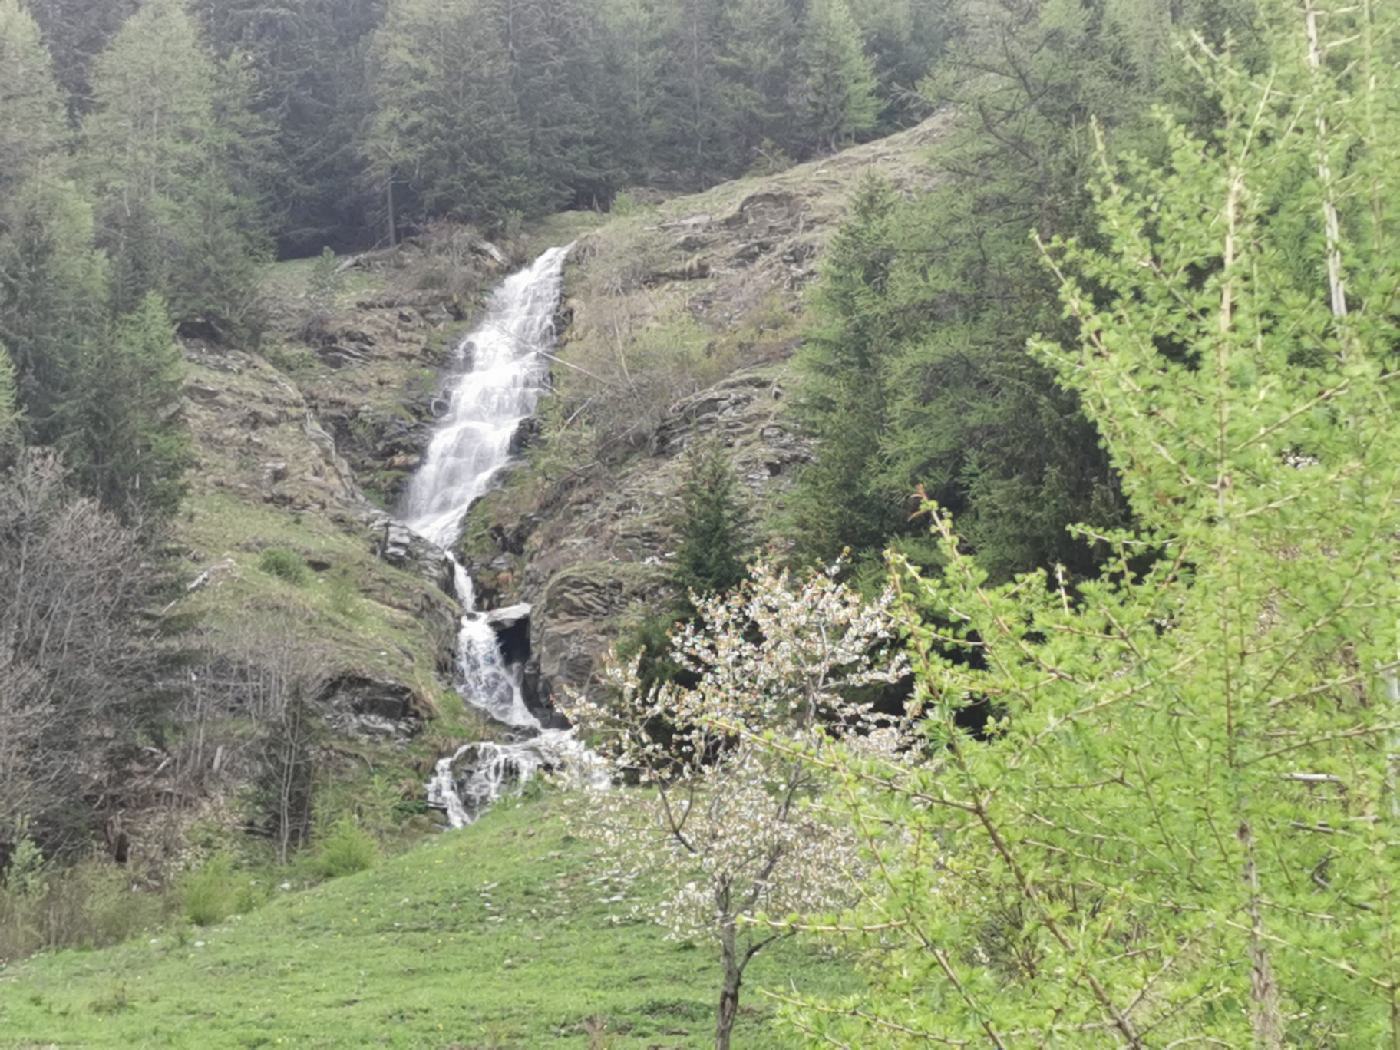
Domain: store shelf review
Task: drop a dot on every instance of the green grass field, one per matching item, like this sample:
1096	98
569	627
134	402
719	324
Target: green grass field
513	933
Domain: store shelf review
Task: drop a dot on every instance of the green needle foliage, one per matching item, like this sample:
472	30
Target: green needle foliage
712	554
129	445
1183	826
31	119
163	151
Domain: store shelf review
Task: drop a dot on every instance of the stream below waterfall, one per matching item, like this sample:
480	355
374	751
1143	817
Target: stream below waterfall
501	371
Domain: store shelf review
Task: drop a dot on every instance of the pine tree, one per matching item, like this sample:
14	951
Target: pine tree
126	440
159	150
53	294
838	77
842	402
445	134
32	128
710	558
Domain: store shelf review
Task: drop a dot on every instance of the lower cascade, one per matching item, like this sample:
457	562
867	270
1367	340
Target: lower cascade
502	373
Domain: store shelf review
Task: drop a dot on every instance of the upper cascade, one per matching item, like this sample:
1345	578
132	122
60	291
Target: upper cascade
503	366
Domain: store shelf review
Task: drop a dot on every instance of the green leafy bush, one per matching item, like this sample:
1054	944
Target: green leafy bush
88	905
285	565
210	894
347	849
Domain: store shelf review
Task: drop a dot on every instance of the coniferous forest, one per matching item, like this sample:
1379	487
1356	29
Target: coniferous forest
919	569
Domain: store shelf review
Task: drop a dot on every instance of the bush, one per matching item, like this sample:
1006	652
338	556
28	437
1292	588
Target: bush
285	565
347	849
88	905
211	894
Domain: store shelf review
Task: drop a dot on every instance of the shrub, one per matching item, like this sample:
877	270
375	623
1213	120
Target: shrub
347	849
285	565
88	905
210	893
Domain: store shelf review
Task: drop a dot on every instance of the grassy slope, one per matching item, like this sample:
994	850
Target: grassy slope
511	934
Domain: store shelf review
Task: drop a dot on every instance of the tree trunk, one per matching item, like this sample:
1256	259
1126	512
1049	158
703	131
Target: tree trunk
729	992
393	219
1266	1012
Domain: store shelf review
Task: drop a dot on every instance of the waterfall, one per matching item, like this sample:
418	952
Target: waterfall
501	369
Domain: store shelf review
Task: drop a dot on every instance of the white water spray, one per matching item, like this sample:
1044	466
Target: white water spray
503	371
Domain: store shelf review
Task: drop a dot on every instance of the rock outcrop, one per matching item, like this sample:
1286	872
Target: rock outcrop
589	547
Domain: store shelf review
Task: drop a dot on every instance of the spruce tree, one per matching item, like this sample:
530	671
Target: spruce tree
710	558
53	294
838	78
306	66
76	32
757	61
693	117
841	398
445	135
127	442
635	62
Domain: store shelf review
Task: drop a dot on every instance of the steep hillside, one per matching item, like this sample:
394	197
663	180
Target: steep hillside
680	322
512	934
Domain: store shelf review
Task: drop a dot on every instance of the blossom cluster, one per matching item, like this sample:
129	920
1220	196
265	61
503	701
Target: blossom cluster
729	809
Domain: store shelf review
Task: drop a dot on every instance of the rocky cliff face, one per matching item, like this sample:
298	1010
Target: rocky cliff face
297	449
680	323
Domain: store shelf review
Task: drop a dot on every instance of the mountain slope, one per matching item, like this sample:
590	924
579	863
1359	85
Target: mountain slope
680	324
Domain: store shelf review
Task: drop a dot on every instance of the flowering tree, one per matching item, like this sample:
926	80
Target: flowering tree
727	810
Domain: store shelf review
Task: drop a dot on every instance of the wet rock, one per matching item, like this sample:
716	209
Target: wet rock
369	707
404	549
509	617
512	627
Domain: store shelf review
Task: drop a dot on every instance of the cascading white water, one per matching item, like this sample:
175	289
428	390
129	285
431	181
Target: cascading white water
498	389
503	370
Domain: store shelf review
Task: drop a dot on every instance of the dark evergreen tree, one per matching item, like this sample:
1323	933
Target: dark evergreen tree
904	39
53	294
693	113
757	61
446	137
635	64
838	503
967	416
838	78
125	438
307	63
76	32
711	556
553	51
